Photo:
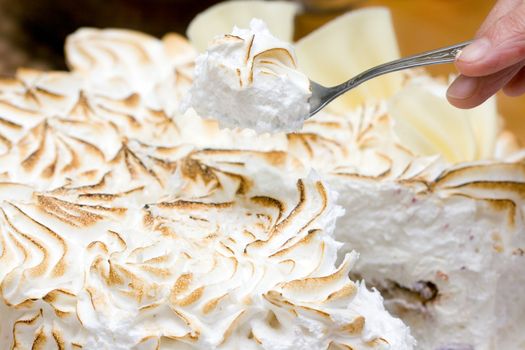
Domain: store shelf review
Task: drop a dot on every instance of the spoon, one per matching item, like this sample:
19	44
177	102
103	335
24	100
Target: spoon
322	95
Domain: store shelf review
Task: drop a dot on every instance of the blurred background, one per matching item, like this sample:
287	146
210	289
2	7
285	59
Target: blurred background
32	32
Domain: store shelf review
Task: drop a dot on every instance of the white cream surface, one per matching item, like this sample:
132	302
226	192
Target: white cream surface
459	245
125	225
249	79
435	238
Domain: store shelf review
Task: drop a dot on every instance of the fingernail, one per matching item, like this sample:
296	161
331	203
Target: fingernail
475	51
462	88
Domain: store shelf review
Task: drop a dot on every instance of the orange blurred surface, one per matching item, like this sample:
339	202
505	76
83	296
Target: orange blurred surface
427	24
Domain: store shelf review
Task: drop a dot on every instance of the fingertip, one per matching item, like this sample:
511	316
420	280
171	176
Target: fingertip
474	52
463	104
477	69
486	59
471	61
462	93
462	88
454	102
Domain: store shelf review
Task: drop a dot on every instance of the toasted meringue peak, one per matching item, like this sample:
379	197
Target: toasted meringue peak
222	17
118	63
242	264
120	229
125	224
249	79
118	54
454	225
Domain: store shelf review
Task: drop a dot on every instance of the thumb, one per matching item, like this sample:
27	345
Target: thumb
499	45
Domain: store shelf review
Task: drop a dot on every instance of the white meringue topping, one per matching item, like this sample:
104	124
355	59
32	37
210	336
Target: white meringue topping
127	225
120	230
250	79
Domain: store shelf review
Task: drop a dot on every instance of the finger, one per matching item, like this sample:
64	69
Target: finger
516	86
499	10
501	45
469	92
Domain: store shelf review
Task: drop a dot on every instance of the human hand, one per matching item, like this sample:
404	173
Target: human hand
495	60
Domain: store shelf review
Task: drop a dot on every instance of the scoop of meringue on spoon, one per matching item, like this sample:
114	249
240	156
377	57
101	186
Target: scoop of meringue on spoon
250	79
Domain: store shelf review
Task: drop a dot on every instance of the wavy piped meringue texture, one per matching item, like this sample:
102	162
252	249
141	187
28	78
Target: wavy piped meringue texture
125	224
227	255
249	79
433	237
78	137
433	196
117	63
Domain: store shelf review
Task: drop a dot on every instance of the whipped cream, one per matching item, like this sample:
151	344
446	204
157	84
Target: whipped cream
249	79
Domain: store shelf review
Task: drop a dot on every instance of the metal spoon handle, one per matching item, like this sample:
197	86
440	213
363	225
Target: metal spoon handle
442	55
